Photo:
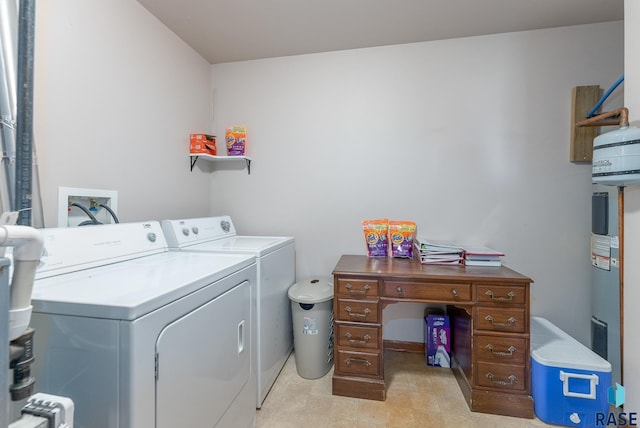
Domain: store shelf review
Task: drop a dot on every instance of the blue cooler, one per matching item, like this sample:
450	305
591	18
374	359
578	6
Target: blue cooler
569	382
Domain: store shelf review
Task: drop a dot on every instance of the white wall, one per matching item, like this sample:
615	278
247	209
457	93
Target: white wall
467	137
116	96
631	379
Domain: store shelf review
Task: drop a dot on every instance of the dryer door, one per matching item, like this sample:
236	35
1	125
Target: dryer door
204	361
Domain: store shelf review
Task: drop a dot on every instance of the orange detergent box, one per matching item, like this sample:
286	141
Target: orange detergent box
202	144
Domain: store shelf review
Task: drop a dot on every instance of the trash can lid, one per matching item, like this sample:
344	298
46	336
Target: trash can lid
312	290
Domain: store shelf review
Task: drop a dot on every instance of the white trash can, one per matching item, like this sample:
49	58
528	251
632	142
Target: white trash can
312	315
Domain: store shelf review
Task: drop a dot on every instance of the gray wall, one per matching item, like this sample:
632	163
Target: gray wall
116	96
467	137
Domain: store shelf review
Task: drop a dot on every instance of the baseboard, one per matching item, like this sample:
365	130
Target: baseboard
399	346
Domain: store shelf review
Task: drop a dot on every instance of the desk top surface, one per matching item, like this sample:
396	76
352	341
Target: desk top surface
411	268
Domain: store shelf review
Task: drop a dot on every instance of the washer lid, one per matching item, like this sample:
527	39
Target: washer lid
312	290
133	288
258	245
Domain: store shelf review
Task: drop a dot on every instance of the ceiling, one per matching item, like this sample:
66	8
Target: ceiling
238	30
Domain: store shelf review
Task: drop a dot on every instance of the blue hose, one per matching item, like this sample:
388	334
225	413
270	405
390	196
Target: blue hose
595	108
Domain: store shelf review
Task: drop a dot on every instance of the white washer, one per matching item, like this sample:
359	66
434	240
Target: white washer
276	263
142	337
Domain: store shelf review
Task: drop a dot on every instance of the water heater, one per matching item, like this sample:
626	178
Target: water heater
616	157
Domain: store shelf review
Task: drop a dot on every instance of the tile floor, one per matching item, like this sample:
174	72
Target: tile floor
418	396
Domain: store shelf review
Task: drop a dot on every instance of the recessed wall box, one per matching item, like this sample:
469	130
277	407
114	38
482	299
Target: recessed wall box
73	201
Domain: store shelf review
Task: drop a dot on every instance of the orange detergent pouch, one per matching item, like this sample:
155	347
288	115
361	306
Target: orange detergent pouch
236	139
402	236
375	236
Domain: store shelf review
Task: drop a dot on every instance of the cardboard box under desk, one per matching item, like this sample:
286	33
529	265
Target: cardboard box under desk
437	340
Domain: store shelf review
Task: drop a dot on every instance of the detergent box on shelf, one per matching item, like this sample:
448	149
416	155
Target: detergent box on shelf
202	144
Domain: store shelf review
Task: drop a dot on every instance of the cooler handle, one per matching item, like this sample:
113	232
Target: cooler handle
593	381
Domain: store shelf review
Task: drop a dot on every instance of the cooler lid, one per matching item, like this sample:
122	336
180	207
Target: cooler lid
553	347
313	290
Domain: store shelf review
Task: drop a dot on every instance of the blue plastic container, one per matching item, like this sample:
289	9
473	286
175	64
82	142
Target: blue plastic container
569	382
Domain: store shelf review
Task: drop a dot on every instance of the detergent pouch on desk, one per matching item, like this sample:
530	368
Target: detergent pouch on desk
375	236
402	235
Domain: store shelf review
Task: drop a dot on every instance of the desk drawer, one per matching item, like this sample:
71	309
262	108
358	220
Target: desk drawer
502	376
358	363
432	291
501	319
357	288
501	349
501	294
357	310
356	336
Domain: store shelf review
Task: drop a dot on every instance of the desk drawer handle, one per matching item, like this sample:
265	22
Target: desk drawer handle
362	361
510	380
509	298
510	322
349	287
367	311
454	292
364	340
509	352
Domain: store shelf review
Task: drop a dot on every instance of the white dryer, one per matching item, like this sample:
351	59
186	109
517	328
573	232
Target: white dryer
142	337
276	263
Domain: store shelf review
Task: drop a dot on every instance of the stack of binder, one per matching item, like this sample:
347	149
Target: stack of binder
437	252
482	256
446	253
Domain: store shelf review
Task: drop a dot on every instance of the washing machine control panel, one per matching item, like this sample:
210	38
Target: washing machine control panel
192	231
70	249
186	231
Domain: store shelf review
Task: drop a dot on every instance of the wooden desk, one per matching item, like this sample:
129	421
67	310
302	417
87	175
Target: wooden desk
489	314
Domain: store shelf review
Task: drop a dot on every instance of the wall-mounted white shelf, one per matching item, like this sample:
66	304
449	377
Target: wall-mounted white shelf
195	157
